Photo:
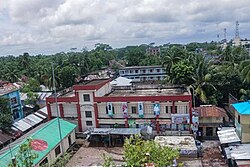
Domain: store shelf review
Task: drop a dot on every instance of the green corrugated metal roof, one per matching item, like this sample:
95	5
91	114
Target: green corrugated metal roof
48	133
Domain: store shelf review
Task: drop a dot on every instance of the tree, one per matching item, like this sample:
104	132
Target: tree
25	156
5	114
202	79
137	152
245	71
31	86
67	76
181	74
172	56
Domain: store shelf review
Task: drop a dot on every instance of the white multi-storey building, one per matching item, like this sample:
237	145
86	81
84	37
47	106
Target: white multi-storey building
143	73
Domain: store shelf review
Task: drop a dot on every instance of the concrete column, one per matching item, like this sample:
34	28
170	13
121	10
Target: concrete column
61	110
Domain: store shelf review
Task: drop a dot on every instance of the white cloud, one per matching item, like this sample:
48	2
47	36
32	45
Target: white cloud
40	23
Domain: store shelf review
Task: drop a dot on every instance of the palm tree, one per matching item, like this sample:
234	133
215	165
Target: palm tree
48	77
201	78
245	71
172	57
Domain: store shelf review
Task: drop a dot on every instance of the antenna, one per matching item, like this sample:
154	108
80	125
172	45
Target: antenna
218	38
225	35
237	31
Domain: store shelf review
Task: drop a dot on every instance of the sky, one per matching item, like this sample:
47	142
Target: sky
52	26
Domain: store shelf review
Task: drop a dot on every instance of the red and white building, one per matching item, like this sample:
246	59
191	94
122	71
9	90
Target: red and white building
97	104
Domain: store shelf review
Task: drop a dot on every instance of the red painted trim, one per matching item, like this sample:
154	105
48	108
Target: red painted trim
61	110
126	123
49	111
91	87
96	115
157	124
79	116
142	98
173	107
190	112
61	99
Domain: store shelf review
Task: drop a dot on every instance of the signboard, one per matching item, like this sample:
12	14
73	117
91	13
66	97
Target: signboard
132	123
125	109
156	108
110	109
180	118
39	145
195	121
140	109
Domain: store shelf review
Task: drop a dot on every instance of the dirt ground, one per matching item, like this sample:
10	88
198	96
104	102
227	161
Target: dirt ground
212	156
92	156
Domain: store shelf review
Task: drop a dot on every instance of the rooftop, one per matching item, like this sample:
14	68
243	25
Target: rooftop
53	139
183	143
140	67
238	152
228	135
242	107
148	90
211	111
94	82
7	87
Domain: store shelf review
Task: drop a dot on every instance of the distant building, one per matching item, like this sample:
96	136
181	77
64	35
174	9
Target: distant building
11	92
210	118
97	104
143	73
241	42
242	120
156	51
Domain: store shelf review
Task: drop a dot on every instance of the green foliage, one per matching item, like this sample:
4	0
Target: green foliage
31	86
182	73
62	161
108	161
5	114
136	151
67	76
25	156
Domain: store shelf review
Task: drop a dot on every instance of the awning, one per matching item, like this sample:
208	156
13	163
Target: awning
115	131
22	125
32	120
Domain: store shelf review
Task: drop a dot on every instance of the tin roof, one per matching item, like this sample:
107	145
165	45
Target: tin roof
211	111
242	107
52	139
228	135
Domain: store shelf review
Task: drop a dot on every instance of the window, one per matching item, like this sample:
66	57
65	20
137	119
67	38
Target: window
133	109
150	70
86	97
89	123
166	109
158	70
88	114
13	100
58	150
175	109
171	109
69	140
16	114
44	162
121	72
136	71
239	119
